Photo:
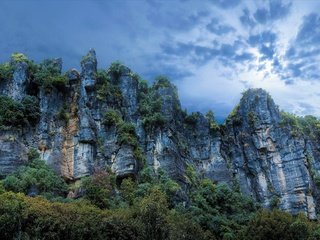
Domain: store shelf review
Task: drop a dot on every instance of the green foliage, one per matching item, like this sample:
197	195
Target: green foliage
152	213
6	71
2	189
251	118
217	208
213	124
48	75
112	118
150	107
11	207
234	117
106	91
274	202
63	114
316	180
308	125
17	114
116	69
11	112
192	118
31	109
33	154
22	217
35	175
99	188
127	134
272	225
19	57
161	82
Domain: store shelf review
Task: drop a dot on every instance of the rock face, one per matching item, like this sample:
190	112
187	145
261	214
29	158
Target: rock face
253	150
268	161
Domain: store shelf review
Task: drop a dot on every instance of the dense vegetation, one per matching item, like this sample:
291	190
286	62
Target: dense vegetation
17	114
34	205
308	125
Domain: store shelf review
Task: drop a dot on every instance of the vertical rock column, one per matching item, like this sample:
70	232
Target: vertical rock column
269	161
19	84
85	151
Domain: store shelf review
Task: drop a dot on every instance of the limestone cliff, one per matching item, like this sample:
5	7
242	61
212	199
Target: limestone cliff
99	119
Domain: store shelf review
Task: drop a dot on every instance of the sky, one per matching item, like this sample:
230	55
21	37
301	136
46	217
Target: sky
212	50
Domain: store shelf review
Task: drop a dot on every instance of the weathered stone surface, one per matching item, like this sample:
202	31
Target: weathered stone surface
12	152
254	149
269	161
124	163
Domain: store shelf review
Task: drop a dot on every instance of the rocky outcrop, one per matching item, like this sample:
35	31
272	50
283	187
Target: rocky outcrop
268	161
254	150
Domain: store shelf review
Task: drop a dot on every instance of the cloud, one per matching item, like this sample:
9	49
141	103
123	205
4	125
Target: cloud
246	19
219	29
276	10
213	49
226	4
309	33
265	42
304	51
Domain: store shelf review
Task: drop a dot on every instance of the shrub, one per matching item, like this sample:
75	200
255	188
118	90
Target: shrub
37	176
106	91
63	114
6	71
150	108
161	82
31	108
99	188
48	75
127	134
12	113
213	124
112	118
116	69
192	119
19	57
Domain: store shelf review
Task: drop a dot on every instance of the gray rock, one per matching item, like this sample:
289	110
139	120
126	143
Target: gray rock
254	149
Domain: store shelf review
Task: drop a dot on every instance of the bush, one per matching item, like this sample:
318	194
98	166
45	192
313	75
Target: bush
192	119
112	118
16	114
99	188
273	225
127	134
106	91
48	75
31	109
19	57
213	124
6	71
63	114
150	108
35	178
11	112
161	82
116	69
